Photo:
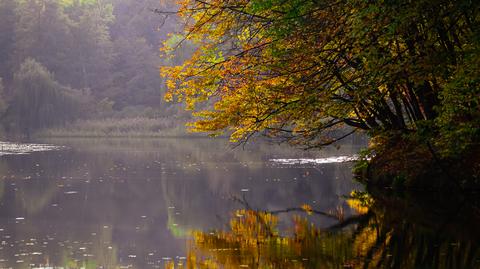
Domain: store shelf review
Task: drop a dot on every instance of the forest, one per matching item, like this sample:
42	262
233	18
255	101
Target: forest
83	64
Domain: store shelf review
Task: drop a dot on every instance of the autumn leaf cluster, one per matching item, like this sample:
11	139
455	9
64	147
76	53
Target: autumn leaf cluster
314	72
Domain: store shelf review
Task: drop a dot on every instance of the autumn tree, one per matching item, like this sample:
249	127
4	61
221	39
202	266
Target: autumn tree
315	72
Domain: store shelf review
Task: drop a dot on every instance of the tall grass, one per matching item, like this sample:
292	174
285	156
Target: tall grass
114	127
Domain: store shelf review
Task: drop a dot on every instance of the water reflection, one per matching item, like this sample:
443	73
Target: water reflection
419	231
135	203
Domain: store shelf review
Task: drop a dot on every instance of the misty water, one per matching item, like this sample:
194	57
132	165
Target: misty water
142	203
134	202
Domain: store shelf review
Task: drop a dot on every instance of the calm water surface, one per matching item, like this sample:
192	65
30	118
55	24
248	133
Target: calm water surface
147	203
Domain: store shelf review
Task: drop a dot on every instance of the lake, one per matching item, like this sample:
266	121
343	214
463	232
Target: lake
136	203
199	203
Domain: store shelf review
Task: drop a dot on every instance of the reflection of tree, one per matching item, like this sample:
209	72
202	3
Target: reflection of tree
425	231
103	254
387	233
255	241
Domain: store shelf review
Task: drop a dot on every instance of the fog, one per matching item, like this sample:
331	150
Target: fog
78	64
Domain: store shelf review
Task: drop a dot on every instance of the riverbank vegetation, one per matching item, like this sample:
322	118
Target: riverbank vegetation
118	127
313	73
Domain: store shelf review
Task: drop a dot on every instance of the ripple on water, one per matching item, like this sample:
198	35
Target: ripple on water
335	159
8	148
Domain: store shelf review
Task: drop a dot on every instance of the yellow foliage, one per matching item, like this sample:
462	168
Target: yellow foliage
307	209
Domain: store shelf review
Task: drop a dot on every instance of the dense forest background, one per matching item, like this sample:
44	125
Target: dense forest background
95	61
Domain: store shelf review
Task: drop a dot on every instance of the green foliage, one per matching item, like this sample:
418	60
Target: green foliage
67	3
361	165
72	40
130	87
459	109
107	49
92	48
7	28
176	50
398	182
39	101
42	32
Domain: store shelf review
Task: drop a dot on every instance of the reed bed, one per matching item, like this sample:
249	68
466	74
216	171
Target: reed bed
114	127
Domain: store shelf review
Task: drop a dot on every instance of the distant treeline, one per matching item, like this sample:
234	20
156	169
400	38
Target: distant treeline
66	60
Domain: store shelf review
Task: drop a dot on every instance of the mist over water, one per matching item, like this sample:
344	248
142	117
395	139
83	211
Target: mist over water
135	202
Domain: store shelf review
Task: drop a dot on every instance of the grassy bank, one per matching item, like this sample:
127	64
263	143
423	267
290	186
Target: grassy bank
114	127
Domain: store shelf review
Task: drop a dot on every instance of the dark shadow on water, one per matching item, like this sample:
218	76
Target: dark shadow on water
389	231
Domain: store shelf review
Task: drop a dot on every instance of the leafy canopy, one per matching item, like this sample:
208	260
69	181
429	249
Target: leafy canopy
314	72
